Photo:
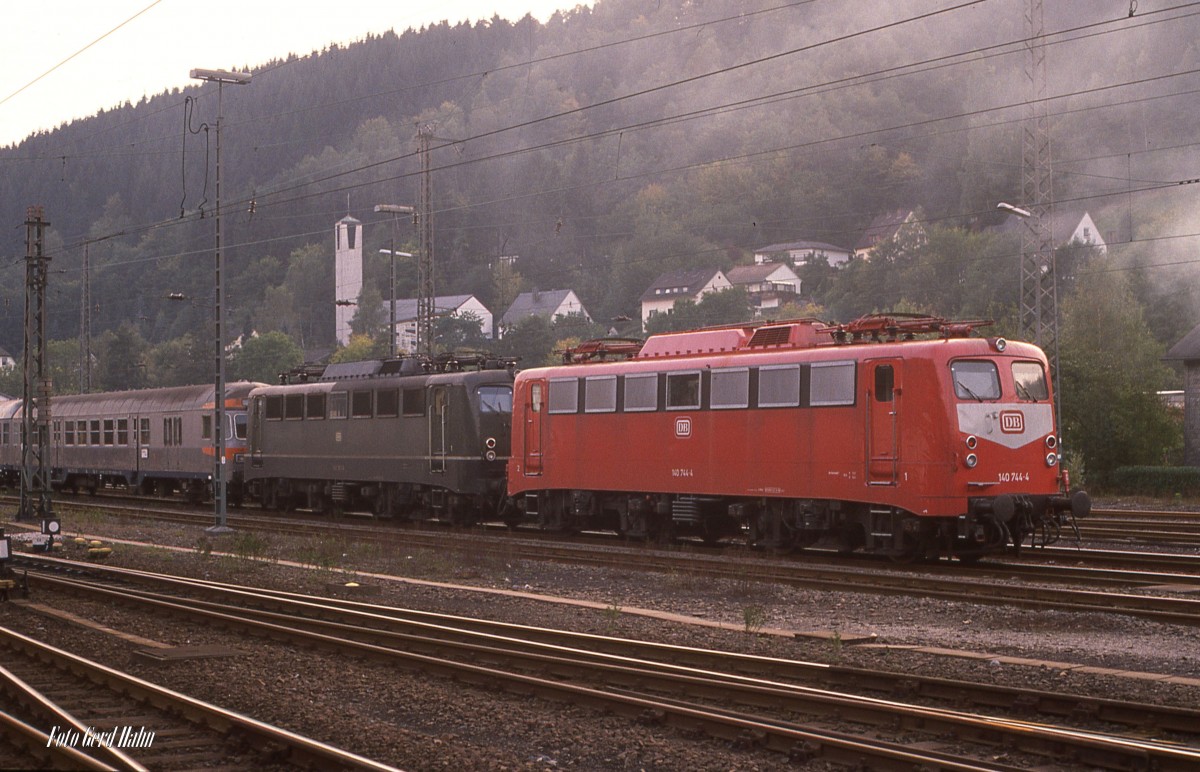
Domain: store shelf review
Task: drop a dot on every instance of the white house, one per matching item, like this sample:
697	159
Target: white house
768	285
6	360
443	305
694	284
902	225
802	252
549	304
1066	227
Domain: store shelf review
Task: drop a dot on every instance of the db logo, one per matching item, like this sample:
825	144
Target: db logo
683	427
1012	422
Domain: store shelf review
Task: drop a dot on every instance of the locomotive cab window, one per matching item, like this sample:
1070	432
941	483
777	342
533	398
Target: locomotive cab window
1030	381
976	379
274	408
885	383
293	407
240	421
683	391
495	399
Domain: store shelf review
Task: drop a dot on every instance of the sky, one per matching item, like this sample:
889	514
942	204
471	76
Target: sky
67	59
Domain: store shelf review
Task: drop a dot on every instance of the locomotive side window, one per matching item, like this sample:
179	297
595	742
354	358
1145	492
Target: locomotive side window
414	402
683	391
206	422
831	383
730	388
564	395
976	379
360	404
885	383
314	406
293	406
240	422
495	399
641	392
535	398
387	403
779	386
1030	381
275	408
337	404
600	394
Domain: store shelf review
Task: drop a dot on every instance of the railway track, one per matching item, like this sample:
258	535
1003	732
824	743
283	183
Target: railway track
1158	591
783	705
100	718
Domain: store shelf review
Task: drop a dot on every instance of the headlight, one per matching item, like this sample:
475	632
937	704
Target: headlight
1051	459
971	460
490	455
1052	442
972	442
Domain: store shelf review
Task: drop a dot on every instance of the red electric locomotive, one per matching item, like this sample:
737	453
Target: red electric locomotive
896	435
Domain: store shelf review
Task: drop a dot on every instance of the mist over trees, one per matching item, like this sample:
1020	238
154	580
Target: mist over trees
610	144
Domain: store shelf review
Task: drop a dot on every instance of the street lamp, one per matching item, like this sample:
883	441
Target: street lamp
1018	211
220	77
394	209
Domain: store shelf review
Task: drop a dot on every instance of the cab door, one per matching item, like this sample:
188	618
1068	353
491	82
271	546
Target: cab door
535	408
883	421
439	417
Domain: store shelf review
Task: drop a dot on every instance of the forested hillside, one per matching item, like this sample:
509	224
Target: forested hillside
608	145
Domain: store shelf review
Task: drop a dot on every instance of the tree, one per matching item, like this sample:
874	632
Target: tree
183	361
1110	371
459	332
530	340
264	357
120	359
370	318
360	349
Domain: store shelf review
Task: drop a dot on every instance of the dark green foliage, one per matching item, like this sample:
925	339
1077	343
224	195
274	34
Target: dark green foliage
1156	481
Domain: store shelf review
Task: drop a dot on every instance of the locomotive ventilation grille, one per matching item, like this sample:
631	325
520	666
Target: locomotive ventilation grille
771	336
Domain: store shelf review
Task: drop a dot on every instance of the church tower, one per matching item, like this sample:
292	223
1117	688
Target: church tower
348	275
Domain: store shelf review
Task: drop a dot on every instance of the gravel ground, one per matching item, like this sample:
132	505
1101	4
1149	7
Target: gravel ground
420	722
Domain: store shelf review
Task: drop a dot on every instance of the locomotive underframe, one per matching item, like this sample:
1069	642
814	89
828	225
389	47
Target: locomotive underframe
403	501
989	525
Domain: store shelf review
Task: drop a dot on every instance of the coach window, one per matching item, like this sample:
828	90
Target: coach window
495	399
975	379
387	403
68	433
338	402
779	386
314	406
683	391
564	395
95	432
600	394
122	431
274	408
730	388
360	404
293	407
414	401
641	392
831	383
1030	380
144	430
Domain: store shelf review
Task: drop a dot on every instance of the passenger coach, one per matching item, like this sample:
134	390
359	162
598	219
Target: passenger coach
793	432
148	440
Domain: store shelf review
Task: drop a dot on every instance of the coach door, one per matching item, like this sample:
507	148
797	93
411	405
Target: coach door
535	410
883	421
439	416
